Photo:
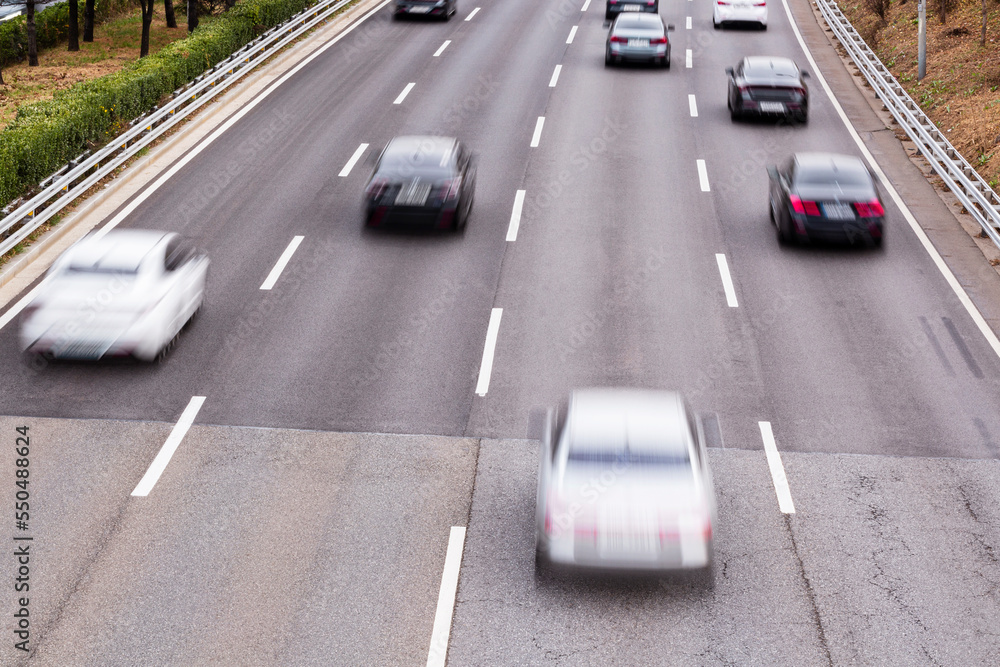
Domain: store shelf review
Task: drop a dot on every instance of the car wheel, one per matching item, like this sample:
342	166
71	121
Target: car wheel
666	62
607	59
783	238
716	24
733	113
763	26
608	16
161	356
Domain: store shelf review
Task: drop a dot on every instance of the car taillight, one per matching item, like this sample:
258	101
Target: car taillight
376	188
869	209
451	188
804	207
619	40
760	4
585	531
722	2
658	40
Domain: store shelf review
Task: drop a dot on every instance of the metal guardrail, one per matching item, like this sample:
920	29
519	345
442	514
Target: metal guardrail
75	178
972	191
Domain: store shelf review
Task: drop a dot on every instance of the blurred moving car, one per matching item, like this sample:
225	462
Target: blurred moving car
624	484
443	9
424	182
613	8
638	38
825	196
727	12
126	293
765	85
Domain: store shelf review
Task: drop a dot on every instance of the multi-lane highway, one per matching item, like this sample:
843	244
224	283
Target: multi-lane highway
350	421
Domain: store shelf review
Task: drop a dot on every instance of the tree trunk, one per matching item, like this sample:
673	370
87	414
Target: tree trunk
29	26
192	14
1	77
943	11
147	20
74	26
168	10
88	21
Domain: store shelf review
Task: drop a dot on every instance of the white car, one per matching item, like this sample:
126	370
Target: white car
624	484
740	11
126	293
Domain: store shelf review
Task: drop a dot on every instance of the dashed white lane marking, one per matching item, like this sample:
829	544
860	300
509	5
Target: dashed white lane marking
693	106
687	23
472	13
515	216
353	161
272	277
727	280
177	434
703	176
442	48
687	59
777	469
537	136
586	6
438	654
486	367
572	34
406	91
555	76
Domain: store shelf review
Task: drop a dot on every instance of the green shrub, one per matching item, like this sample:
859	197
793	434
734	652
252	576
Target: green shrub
46	135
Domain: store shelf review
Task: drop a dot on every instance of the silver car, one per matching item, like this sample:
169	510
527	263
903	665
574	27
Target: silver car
638	37
624	484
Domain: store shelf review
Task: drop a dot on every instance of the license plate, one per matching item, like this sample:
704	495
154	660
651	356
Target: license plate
632	8
622	535
419	9
414	194
772	107
838	211
638	42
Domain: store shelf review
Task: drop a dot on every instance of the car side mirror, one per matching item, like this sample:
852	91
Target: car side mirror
729	71
670	27
772	171
805	74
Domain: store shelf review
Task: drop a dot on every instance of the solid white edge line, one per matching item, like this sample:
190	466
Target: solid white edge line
727	280
537	136
555	76
354	160
177	434
572	34
142	196
785	503
693	106
472	13
486	367
438	653
13	311
687	23
935	256
272	277
406	91
442	48
688	59
586	6
703	176
515	216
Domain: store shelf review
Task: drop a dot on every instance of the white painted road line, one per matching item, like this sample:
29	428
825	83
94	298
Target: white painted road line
406	91
572	34
515	216
949	277
14	310
555	76
703	176
354	160
727	280
438	654
777	469
442	48
282	262
536	137
586	6
687	59
472	13
687	23
159	463
486	368
693	105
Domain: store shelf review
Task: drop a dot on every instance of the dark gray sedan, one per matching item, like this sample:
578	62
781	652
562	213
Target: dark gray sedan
823	196
638	37
768	86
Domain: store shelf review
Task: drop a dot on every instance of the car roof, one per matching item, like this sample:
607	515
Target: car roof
769	64
830	162
620	416
122	249
429	148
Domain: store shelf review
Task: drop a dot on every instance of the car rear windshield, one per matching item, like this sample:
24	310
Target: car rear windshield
827	175
608	457
638	24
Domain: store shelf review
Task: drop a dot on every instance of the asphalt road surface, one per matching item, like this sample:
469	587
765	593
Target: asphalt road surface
348	424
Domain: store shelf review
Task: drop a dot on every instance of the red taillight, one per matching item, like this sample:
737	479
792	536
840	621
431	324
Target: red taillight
707	530
804	207
658	40
760	4
723	3
650	3
870	209
619	40
585	531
